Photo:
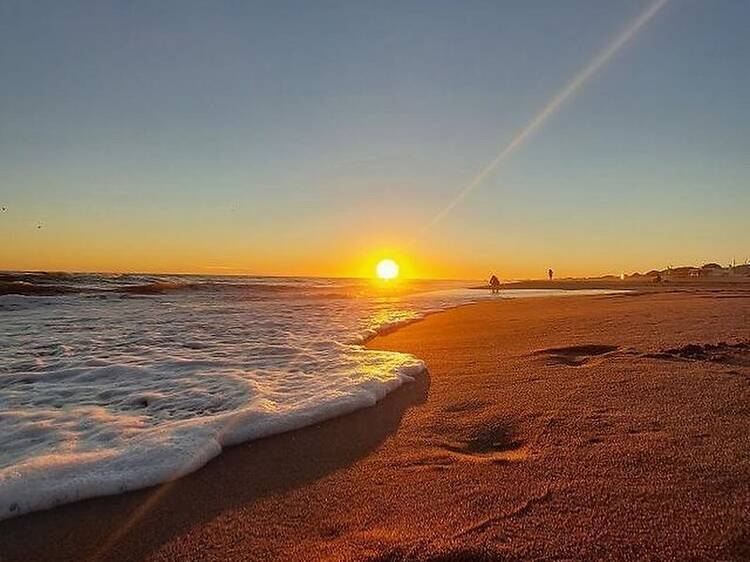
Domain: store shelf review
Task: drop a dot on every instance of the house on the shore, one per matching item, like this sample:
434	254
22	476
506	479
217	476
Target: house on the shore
712	270
682	272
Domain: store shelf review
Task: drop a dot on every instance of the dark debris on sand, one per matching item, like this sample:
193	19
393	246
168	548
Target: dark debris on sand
737	353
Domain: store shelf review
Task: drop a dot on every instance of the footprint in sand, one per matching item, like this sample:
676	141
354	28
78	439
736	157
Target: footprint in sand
574	356
495	442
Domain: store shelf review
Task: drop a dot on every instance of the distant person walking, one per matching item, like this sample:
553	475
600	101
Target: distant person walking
550	273
494	285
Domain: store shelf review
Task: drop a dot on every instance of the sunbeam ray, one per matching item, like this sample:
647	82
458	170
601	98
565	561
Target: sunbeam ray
549	109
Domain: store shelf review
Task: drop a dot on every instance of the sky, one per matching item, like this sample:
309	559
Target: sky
313	138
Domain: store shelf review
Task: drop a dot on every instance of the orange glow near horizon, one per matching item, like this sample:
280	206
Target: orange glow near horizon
108	244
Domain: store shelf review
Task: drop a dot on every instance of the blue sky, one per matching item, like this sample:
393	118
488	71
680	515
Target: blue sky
301	137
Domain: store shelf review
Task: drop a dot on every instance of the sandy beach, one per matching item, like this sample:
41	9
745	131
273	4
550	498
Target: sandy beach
581	428
374	281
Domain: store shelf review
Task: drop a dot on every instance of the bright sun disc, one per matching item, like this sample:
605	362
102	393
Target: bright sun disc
387	269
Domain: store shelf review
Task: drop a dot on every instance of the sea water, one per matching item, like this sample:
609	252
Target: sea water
114	383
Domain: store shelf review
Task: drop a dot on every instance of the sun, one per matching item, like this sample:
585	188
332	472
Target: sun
387	269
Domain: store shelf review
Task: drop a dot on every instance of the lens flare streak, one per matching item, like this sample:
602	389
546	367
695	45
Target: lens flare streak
552	106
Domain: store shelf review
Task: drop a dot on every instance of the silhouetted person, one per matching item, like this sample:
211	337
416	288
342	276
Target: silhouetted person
550	273
494	285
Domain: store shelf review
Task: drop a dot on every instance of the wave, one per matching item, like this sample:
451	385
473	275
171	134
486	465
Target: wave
62	284
156	287
161	287
120	427
159	454
33	289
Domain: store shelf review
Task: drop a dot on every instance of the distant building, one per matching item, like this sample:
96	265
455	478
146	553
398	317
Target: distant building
685	271
713	270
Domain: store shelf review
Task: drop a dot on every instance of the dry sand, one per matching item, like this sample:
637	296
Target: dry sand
566	428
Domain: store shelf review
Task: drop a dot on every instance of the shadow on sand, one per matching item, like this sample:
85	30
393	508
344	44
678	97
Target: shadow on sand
131	525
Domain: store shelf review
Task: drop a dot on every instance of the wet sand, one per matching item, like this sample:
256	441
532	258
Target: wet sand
612	427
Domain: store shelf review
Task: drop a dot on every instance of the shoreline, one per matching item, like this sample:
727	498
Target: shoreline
361	452
643	284
15	503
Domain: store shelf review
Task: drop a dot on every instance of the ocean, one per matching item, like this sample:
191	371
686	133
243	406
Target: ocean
110	383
